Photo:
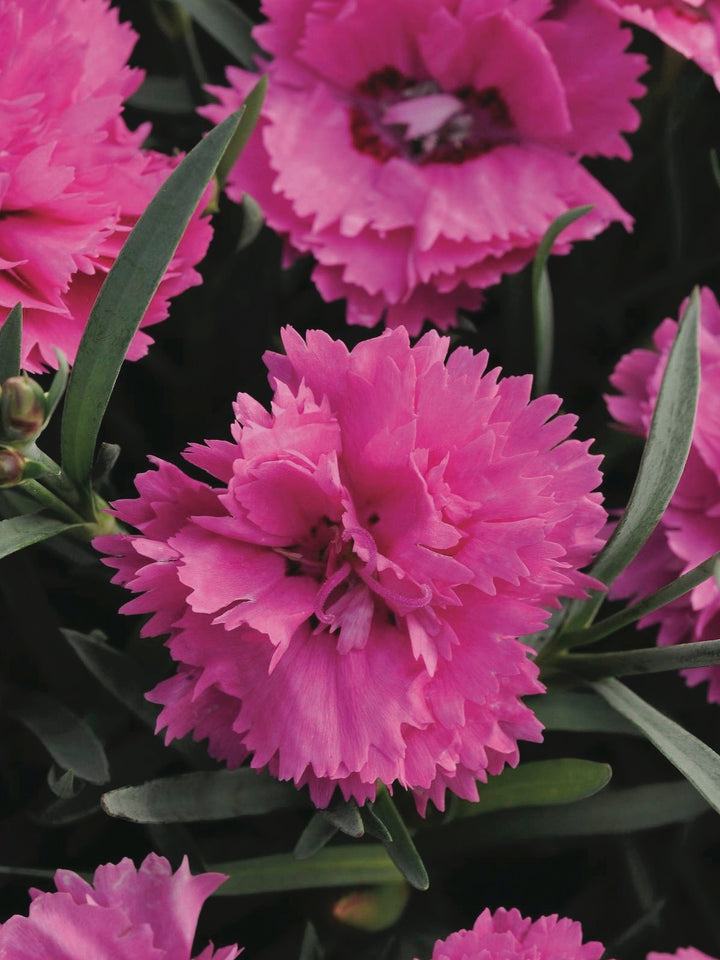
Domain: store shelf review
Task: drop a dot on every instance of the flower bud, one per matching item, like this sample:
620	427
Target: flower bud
12	465
23	409
374	909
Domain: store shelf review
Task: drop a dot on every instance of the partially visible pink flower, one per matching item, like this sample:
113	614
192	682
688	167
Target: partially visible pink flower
402	145
73	178
689	531
682	953
692	27
345	607
125	914
506	935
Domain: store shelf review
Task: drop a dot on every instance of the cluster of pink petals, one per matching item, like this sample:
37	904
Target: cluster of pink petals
682	953
125	914
73	177
692	27
345	608
402	146
506	935
689	531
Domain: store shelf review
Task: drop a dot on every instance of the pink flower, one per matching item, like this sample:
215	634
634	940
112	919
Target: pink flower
125	914
682	953
692	27
345	607
401	145
689	531
506	935
73	178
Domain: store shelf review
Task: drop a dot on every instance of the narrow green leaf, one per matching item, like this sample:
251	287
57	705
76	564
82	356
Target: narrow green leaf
204	795
311	948
626	663
578	712
227	24
117	673
159	94
124	297
542	302
631	614
253	220
58	385
661	465
68	739
314	837
715	166
373	824
252	106
345	816
401	849
693	758
11	343
19	532
540	784
341	866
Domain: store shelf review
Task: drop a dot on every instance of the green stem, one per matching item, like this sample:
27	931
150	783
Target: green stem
594	666
48	499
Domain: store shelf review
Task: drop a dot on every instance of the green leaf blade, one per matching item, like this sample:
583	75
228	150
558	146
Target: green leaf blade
16	533
627	663
226	24
125	296
11	344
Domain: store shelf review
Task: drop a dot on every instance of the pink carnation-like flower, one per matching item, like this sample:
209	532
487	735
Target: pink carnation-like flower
402	146
689	531
692	27
345	607
73	178
682	953
506	935
125	914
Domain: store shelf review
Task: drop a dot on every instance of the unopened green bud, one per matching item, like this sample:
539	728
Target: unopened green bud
374	909
23	409
12	465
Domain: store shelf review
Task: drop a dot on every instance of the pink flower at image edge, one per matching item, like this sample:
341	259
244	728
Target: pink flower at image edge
126	913
345	607
432	169
689	530
73	178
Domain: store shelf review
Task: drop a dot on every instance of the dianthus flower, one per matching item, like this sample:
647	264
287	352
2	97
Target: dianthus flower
692	27
124	914
689	531
73	177
346	607
400	144
682	953
506	935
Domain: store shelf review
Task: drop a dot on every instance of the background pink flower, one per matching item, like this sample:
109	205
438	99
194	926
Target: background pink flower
125	914
689	531
682	953
73	178
345	607
506	934
401	146
692	27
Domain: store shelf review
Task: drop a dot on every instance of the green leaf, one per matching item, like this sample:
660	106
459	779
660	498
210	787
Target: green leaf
226	24
544	783
373	824
578	712
626	663
159	94
401	848
314	837
252	106
117	673
253	220
661	465
11	343
340	866
311	948
19	532
69	740
693	758
204	795
345	816
58	385
124	297
542	302
631	614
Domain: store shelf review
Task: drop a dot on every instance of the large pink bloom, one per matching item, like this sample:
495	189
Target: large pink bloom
419	149
125	914
345	607
689	531
506	935
73	178
691	27
682	953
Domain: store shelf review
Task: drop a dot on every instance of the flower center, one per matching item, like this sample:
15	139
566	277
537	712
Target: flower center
395	116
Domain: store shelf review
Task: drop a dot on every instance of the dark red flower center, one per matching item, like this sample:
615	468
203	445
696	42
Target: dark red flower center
392	115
